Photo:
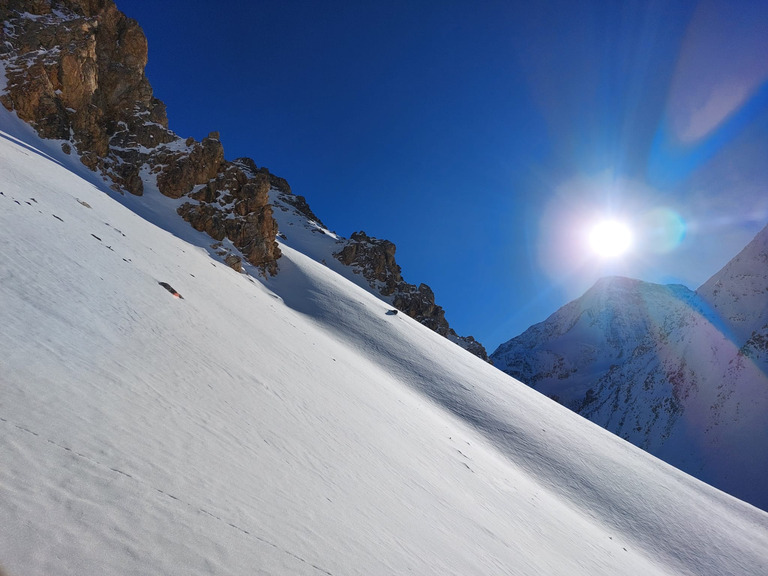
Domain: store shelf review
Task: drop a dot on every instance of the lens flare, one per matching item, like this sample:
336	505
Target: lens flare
663	230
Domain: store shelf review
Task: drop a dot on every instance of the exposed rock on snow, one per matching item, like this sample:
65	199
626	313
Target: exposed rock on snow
170	289
235	205
375	258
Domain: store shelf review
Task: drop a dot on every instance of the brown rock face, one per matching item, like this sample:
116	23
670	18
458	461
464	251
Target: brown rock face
75	72
235	205
375	259
184	170
78	77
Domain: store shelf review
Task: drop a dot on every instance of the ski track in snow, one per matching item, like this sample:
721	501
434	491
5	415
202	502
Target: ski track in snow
288	425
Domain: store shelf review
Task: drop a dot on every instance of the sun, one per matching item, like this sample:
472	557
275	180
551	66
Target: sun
610	239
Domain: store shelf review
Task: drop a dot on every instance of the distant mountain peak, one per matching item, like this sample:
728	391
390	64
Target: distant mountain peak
676	372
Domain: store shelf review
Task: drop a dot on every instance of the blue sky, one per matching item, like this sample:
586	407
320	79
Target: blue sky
484	139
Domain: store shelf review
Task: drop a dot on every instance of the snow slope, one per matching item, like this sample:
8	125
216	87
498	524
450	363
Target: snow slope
290	425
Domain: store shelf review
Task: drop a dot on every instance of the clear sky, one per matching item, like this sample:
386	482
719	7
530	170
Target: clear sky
487	139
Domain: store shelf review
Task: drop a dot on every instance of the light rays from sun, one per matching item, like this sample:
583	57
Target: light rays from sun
603	225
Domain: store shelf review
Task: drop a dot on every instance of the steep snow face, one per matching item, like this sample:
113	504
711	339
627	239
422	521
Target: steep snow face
738	294
289	425
654	365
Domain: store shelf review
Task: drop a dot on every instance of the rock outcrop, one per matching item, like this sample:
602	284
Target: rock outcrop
75	72
375	259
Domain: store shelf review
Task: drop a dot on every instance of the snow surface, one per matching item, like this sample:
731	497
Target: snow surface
289	425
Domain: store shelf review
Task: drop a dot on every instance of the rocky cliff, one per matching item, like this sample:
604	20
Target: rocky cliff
75	72
681	374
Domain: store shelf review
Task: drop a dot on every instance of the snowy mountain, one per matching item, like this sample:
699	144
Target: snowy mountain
590	336
171	403
677	373
287	424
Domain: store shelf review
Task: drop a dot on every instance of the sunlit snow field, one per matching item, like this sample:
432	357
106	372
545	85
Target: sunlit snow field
288	425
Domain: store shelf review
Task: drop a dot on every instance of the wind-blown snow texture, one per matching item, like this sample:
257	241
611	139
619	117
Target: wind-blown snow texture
289	425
